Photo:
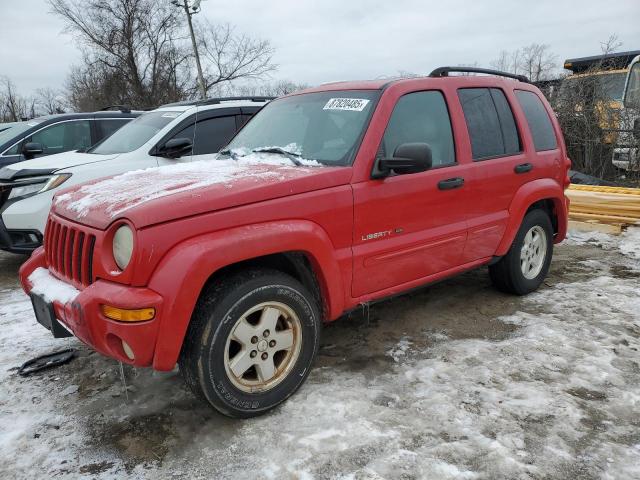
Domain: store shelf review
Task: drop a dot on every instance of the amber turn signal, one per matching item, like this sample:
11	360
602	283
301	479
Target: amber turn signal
123	315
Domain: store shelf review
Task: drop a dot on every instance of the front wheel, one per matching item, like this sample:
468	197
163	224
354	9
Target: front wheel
251	342
527	262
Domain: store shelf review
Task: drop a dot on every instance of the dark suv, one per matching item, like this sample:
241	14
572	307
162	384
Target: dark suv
59	133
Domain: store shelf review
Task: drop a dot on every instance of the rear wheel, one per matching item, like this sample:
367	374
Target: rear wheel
251	342
527	262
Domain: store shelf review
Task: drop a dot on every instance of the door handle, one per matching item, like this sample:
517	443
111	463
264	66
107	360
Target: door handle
523	168
450	183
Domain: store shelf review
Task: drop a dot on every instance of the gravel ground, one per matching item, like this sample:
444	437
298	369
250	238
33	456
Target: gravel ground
452	381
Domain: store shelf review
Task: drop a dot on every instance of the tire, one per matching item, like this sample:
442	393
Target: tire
232	327
508	274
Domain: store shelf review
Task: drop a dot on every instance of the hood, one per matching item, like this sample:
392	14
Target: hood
155	195
50	164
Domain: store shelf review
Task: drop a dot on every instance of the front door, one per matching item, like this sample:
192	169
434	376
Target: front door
208	134
408	227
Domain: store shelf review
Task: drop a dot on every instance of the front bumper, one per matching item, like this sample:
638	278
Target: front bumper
19	241
627	158
83	316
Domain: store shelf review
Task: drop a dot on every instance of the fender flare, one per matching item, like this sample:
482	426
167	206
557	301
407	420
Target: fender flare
185	269
527	195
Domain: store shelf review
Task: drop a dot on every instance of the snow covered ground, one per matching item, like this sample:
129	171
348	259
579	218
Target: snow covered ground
456	381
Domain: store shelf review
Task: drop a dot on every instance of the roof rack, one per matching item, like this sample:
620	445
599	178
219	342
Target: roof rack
444	72
218	100
122	108
214	101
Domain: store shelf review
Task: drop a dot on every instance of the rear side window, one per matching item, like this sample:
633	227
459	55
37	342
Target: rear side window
421	117
544	137
492	128
507	122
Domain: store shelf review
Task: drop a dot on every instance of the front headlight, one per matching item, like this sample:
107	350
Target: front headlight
123	246
38	185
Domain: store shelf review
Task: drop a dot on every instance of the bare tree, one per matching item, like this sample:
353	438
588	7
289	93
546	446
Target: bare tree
229	57
610	45
507	61
50	100
133	42
92	87
270	89
13	106
537	62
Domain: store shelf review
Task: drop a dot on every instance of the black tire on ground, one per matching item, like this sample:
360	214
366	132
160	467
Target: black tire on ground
220	307
507	274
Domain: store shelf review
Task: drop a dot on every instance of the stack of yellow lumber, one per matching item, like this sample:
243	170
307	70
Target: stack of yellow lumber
615	206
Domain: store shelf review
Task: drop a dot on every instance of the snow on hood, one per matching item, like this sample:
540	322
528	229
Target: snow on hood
115	195
60	161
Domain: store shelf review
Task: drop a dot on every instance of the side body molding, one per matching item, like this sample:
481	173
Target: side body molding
528	194
184	270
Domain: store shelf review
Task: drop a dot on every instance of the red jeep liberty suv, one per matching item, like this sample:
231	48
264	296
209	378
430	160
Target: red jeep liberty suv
328	198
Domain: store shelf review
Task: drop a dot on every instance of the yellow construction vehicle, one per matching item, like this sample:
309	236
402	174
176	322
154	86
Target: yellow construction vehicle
627	154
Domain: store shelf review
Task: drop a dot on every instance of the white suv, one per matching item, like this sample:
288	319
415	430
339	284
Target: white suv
172	133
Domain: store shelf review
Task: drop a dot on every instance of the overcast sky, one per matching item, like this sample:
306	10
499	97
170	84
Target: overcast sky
321	41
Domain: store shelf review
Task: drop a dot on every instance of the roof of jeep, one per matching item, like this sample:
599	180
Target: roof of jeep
387	82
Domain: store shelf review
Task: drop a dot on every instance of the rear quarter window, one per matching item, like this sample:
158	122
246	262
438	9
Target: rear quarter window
544	137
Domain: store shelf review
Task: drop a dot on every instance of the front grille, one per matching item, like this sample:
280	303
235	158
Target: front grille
69	252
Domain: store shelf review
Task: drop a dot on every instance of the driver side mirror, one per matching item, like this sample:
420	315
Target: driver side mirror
31	149
175	148
407	158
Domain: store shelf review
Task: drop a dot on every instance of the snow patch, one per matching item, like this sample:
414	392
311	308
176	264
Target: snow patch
136	187
558	398
630	243
52	289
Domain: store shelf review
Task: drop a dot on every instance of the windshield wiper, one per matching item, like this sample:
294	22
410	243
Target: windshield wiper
281	151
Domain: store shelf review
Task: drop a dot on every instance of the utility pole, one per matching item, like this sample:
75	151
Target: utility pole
192	11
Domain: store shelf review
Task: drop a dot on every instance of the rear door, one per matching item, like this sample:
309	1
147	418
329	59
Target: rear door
408	227
544	144
501	165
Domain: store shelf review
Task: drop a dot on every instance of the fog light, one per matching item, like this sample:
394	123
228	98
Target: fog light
127	350
123	315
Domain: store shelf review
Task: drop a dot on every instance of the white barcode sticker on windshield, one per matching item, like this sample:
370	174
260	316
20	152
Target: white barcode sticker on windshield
352	104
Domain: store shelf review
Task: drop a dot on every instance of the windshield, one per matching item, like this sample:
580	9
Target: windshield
16	129
325	126
135	133
632	98
609	86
